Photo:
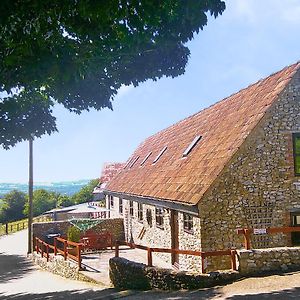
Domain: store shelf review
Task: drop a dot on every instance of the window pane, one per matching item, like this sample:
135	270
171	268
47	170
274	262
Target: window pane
297	164
297	144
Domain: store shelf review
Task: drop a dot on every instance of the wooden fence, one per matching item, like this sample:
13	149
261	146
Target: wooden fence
202	254
272	230
68	249
20	225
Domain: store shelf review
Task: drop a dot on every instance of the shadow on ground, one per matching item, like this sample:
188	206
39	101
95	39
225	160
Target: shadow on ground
13	267
284	294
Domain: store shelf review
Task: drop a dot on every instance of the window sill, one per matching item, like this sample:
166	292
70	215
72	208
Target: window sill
160	226
188	231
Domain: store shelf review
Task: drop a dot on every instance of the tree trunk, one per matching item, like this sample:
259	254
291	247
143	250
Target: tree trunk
30	195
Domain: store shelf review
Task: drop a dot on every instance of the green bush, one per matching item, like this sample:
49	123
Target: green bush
73	234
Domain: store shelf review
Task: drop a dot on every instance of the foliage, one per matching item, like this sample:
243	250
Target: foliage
79	53
73	234
86	193
64	201
12	206
42	202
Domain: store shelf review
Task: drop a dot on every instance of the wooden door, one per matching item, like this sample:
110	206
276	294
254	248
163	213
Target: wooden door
174	235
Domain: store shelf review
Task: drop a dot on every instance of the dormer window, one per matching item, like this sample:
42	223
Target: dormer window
159	155
191	146
296	148
144	160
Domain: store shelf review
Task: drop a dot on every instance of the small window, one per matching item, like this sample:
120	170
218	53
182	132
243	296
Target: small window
140	211
133	162
149	217
159	155
144	160
131	208
111	201
128	162
296	148
121	206
191	146
159	217
295	220
188	223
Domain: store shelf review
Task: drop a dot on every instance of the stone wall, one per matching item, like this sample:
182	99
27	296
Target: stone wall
125	274
59	266
149	234
115	226
256	189
268	260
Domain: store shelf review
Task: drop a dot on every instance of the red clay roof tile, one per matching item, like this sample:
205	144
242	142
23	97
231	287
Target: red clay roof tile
223	127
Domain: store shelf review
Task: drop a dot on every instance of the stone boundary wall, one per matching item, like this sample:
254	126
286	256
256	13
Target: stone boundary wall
268	260
125	274
59	266
115	226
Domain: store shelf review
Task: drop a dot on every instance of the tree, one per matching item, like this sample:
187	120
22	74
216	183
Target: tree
86	193
79	53
64	201
42	202
12	206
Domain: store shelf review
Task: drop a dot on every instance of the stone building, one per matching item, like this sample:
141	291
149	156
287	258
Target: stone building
233	165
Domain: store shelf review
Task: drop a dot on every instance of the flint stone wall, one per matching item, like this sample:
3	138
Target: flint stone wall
125	274
59	266
256	189
269	260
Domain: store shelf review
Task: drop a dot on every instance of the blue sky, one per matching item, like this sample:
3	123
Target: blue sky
251	40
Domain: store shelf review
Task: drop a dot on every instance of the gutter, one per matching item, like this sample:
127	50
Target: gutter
190	209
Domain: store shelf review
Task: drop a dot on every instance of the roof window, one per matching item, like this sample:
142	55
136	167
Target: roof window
146	157
133	162
129	161
159	155
192	145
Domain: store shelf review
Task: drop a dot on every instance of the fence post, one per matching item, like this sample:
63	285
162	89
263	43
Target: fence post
6	228
247	239
55	246
202	263
65	250
18	228
233	260
149	252
117	249
11	228
23	225
79	256
47	251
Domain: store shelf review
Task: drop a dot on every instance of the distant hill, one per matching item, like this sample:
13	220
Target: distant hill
63	187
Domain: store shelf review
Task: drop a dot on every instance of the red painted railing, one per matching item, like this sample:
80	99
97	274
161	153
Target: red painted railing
67	250
202	254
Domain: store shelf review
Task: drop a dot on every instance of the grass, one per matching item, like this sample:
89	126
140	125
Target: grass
20	224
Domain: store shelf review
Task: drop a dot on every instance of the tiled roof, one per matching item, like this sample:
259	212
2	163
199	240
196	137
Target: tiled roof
110	170
223	127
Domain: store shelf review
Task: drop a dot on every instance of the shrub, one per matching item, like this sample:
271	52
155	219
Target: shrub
73	234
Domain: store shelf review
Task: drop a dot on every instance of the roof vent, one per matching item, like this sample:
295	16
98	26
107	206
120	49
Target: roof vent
144	160
159	155
192	145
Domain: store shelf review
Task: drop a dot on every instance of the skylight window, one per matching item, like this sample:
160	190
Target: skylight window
159	155
133	162
144	160
129	161
191	146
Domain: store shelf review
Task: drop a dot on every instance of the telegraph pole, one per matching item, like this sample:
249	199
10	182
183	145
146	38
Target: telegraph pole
30	195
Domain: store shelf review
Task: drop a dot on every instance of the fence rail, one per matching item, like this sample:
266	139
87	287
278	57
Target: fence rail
69	249
272	230
19	225
202	254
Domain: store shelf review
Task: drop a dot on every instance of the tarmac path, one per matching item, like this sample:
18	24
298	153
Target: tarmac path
20	279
